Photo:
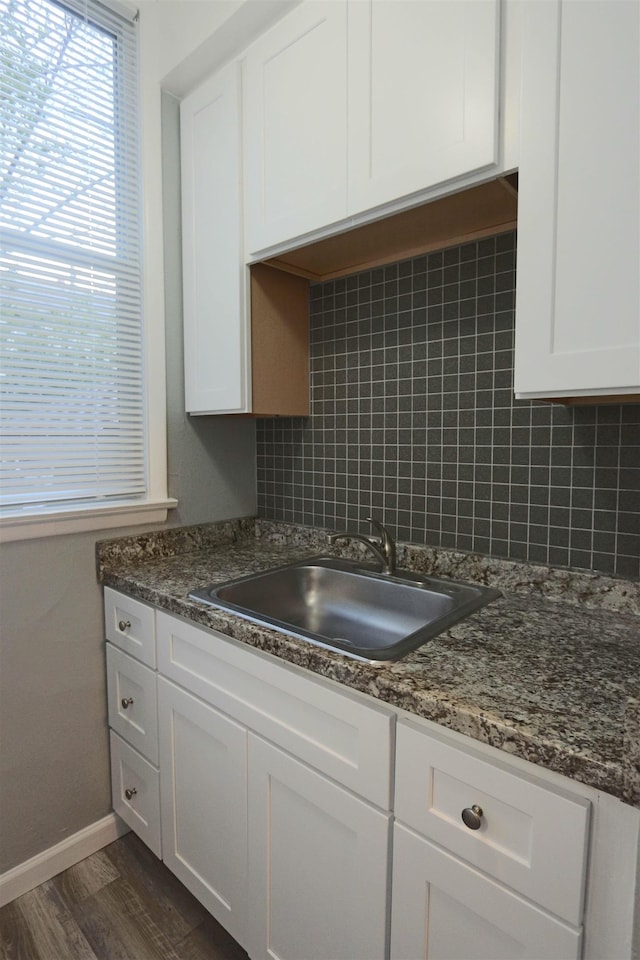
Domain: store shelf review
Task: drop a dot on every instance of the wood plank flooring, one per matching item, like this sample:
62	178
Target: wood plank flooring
119	904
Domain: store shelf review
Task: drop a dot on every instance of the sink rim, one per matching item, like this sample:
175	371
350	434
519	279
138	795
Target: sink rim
481	596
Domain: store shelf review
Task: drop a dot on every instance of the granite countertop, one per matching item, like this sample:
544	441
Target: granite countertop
550	672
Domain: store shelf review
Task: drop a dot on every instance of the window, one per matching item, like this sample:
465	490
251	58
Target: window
72	398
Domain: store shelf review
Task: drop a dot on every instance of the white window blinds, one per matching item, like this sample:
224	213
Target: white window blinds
72	427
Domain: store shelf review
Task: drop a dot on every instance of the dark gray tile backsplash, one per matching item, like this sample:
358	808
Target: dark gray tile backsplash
413	419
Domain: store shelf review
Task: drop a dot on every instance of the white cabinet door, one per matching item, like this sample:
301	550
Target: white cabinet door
203	803
295	98
317	864
423	95
578	296
442	909
216	341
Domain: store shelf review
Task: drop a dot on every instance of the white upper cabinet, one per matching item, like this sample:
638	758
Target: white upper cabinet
296	124
423	95
578	295
352	105
215	335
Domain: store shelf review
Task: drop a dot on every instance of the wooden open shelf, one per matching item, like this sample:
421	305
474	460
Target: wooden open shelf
280	285
279	343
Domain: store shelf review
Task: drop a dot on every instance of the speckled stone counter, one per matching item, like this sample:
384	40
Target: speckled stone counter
550	672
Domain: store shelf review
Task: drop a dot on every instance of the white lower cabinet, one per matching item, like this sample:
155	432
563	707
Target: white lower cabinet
314	851
203	763
443	909
269	793
317	864
275	798
487	862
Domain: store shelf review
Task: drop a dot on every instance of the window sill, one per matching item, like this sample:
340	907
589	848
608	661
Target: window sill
81	520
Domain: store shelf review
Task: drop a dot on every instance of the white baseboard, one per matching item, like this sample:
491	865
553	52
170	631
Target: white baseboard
60	857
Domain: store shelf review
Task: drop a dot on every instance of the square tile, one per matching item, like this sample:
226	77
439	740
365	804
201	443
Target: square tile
412	404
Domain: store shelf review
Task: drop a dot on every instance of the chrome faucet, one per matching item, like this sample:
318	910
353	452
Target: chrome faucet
384	548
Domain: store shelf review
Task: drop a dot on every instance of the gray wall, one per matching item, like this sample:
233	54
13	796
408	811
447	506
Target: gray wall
54	764
413	418
54	775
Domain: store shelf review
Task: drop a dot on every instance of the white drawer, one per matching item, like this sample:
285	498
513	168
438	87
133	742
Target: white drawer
531	837
133	702
130	624
135	791
333	731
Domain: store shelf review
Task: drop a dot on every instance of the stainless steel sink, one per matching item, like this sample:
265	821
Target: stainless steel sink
342	605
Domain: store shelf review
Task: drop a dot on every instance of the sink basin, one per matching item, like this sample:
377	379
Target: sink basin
345	606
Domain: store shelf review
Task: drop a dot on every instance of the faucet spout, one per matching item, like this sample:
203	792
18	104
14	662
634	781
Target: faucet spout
384	549
387	545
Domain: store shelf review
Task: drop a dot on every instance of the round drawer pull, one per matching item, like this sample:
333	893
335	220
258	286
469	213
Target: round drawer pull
126	702
472	817
130	794
123	625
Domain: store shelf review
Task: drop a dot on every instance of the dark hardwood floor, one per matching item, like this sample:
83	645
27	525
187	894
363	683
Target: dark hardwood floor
119	904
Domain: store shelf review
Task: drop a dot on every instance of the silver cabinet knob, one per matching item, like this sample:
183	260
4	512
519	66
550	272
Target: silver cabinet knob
123	625
130	794
472	817
126	702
